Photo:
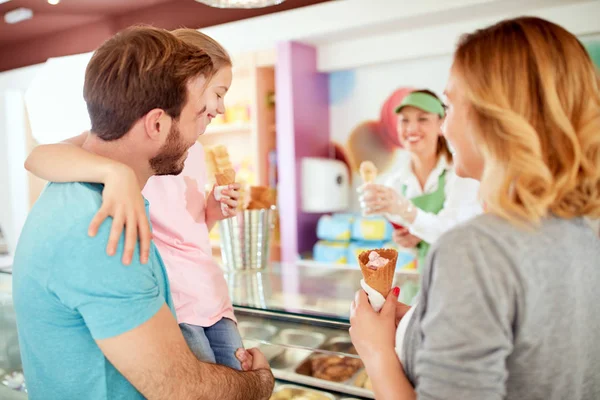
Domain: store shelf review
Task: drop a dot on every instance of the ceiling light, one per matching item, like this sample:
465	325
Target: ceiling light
53	2
18	15
240	3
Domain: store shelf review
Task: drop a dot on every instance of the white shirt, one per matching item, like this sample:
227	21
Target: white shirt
401	332
595	224
462	200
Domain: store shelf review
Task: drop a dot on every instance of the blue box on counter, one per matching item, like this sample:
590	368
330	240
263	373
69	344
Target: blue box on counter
406	261
336	227
372	229
331	252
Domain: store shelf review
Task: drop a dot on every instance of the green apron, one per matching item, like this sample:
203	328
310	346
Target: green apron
431	203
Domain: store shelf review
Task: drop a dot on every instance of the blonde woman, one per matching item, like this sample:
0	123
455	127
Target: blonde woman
507	308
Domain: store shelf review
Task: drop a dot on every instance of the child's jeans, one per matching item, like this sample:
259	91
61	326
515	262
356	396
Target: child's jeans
215	344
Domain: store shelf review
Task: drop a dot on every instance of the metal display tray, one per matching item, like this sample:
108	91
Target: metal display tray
293	346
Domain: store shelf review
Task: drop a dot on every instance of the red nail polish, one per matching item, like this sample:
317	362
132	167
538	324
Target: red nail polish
396	291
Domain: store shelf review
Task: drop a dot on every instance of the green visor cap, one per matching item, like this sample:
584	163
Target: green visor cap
423	101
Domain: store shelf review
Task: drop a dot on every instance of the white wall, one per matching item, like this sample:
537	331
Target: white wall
353	33
54	99
18	79
14	185
437	33
321	23
371	85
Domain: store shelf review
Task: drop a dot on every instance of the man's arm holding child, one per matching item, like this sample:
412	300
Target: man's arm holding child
155	358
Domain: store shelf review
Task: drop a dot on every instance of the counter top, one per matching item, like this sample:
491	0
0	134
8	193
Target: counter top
308	289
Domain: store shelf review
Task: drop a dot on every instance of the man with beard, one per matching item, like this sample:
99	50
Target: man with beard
89	327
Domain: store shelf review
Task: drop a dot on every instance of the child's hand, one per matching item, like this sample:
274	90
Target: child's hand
252	359
122	200
259	361
225	207
245	358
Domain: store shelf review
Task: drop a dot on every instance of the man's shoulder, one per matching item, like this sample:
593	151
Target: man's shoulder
55	233
63	211
69	200
74	191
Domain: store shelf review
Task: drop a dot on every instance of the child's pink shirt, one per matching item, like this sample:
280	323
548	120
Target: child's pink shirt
177	213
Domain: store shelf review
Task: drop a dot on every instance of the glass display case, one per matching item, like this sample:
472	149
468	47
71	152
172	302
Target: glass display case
11	378
297	314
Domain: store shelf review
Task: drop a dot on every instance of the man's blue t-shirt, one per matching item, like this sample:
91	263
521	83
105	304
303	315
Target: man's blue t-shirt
68	293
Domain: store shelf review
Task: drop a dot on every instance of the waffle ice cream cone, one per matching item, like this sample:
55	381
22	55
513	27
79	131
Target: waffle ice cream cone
211	165
368	171
222	162
226	177
217	160
220	151
380	279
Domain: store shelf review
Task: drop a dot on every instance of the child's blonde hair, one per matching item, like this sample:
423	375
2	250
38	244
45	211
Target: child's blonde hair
217	53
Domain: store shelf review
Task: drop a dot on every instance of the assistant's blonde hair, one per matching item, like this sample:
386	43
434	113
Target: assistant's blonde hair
535	98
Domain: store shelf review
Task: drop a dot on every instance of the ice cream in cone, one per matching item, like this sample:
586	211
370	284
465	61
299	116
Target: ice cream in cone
368	171
225	177
378	267
220	151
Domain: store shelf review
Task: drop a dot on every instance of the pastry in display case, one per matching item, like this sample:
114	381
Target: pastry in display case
362	380
291	392
333	367
309	354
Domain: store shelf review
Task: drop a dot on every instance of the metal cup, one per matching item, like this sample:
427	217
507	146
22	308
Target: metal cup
246	239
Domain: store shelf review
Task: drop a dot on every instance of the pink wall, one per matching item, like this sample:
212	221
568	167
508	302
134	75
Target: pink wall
302	108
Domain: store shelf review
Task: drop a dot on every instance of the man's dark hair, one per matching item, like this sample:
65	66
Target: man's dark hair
137	70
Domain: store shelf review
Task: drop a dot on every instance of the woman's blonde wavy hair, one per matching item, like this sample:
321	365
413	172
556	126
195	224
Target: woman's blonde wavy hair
535	97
